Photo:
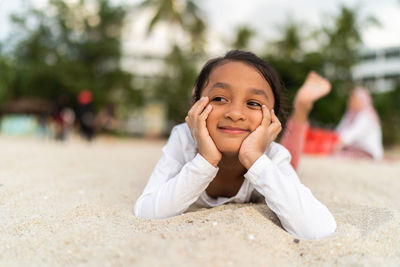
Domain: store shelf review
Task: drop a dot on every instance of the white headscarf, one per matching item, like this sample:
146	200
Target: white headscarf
364	97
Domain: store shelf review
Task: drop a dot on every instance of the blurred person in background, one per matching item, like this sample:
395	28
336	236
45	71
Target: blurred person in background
59	124
64	118
44	125
359	133
68	116
106	119
85	114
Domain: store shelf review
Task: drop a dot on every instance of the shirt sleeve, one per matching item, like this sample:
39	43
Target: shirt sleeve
299	212
174	184
350	134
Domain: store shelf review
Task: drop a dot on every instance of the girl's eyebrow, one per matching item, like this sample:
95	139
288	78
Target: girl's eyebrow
258	92
223	85
220	85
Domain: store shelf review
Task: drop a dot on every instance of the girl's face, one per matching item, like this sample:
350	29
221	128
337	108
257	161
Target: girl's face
354	102
236	91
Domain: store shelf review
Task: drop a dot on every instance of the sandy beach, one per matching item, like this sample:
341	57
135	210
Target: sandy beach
72	204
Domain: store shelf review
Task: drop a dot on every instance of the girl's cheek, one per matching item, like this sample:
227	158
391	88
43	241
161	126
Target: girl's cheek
213	117
209	119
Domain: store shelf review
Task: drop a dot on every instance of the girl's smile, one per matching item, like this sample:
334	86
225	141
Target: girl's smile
236	92
233	130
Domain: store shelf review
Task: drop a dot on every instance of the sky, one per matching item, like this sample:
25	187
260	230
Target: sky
223	16
265	15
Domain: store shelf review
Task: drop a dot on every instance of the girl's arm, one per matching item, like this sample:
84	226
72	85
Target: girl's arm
299	212
175	182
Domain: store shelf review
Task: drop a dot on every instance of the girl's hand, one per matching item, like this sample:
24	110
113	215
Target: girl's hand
257	142
196	120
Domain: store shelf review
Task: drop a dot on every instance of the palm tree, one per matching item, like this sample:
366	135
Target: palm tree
243	37
290	44
340	53
344	40
185	14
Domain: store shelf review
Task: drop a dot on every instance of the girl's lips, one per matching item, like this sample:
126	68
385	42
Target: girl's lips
232	130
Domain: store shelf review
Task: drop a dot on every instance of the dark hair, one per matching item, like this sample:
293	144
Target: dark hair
269	74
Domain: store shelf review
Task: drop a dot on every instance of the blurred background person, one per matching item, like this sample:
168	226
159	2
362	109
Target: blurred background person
106	119
59	122
358	135
85	114
359	131
68	117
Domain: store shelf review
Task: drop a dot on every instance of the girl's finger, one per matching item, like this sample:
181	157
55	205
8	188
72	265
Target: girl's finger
195	107
275	129
274	118
200	106
266	116
204	114
275	124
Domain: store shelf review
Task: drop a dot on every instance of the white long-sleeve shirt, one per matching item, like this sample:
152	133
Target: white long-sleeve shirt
364	133
182	175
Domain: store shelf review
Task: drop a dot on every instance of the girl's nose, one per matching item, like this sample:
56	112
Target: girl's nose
235	113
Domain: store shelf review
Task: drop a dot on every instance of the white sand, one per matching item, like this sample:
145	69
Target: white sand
71	204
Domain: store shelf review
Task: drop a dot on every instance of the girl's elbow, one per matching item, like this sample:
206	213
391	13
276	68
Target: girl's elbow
319	230
326	230
136	211
146	213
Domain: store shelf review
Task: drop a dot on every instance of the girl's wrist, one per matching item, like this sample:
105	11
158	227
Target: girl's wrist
211	160
249	160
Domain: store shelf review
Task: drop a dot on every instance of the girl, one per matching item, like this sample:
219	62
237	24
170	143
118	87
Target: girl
225	151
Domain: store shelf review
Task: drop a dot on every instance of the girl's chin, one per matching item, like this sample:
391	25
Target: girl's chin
231	150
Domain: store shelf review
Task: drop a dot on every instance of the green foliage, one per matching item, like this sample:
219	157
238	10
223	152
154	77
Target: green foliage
70	47
339	55
343	43
332	58
7	75
387	105
76	47
243	37
177	79
175	88
186	15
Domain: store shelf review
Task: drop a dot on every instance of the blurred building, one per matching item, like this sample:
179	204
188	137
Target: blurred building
26	117
379	69
148	121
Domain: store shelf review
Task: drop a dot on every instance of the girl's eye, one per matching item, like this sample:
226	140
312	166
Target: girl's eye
253	104
219	99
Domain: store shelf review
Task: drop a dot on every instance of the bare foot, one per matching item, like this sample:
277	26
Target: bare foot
313	88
